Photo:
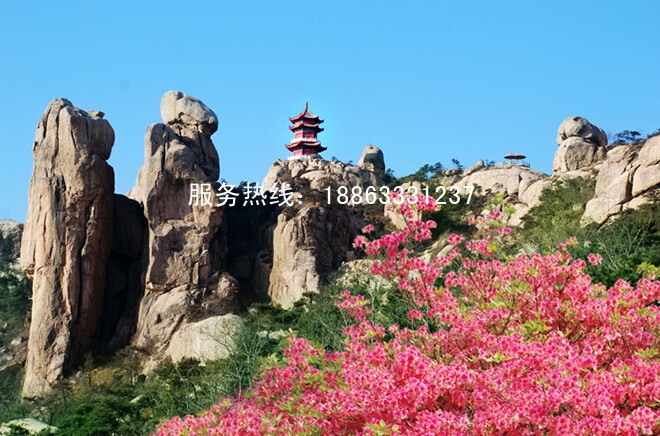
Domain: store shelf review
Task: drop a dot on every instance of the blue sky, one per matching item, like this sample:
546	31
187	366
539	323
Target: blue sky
426	81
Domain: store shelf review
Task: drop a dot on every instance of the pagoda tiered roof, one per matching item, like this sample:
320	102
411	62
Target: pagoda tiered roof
310	125
306	115
305	127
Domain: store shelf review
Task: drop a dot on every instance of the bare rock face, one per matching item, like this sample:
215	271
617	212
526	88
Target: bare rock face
66	242
312	238
623	180
185	250
372	159
306	249
317	174
208	339
581	144
647	175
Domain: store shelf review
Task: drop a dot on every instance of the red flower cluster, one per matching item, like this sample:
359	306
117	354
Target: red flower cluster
527	345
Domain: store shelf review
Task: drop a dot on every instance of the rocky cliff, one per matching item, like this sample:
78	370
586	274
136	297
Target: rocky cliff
311	239
159	271
184	273
66	241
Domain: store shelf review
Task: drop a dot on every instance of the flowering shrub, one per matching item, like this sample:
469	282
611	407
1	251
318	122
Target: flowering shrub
526	345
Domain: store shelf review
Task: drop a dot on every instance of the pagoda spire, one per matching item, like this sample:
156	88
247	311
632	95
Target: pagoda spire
305	127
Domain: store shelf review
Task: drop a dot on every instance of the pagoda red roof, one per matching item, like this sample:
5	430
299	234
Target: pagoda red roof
305	144
302	123
306	114
515	156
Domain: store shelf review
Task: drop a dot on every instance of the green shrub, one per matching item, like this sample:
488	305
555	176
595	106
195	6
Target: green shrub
628	242
15	296
557	216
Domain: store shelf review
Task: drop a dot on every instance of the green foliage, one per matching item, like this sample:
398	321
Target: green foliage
557	216
317	318
625	243
15	430
314	317
15	293
629	245
10	386
452	218
654	133
6	251
15	289
100	413
425	173
627	137
387	175
457	164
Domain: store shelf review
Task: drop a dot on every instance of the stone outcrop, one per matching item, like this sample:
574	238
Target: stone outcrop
581	144
306	249
623	180
647	175
522	186
66	241
312	237
317	174
163	271
208	339
372	159
185	247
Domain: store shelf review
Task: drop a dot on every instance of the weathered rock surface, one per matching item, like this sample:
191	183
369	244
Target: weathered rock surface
372	159
312	237
185	248
581	144
306	249
66	241
317	175
623	179
208	339
647	175
179	109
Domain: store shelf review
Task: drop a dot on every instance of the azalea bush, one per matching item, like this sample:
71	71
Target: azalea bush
494	344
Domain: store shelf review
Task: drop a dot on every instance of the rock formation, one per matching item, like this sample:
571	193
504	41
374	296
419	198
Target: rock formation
312	238
581	144
185	252
163	271
317	174
66	241
306	249
372	159
521	185
623	179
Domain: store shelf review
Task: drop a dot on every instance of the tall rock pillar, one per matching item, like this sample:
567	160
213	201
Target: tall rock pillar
184	280
66	240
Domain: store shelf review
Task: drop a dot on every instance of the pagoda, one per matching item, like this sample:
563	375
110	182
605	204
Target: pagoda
305	127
